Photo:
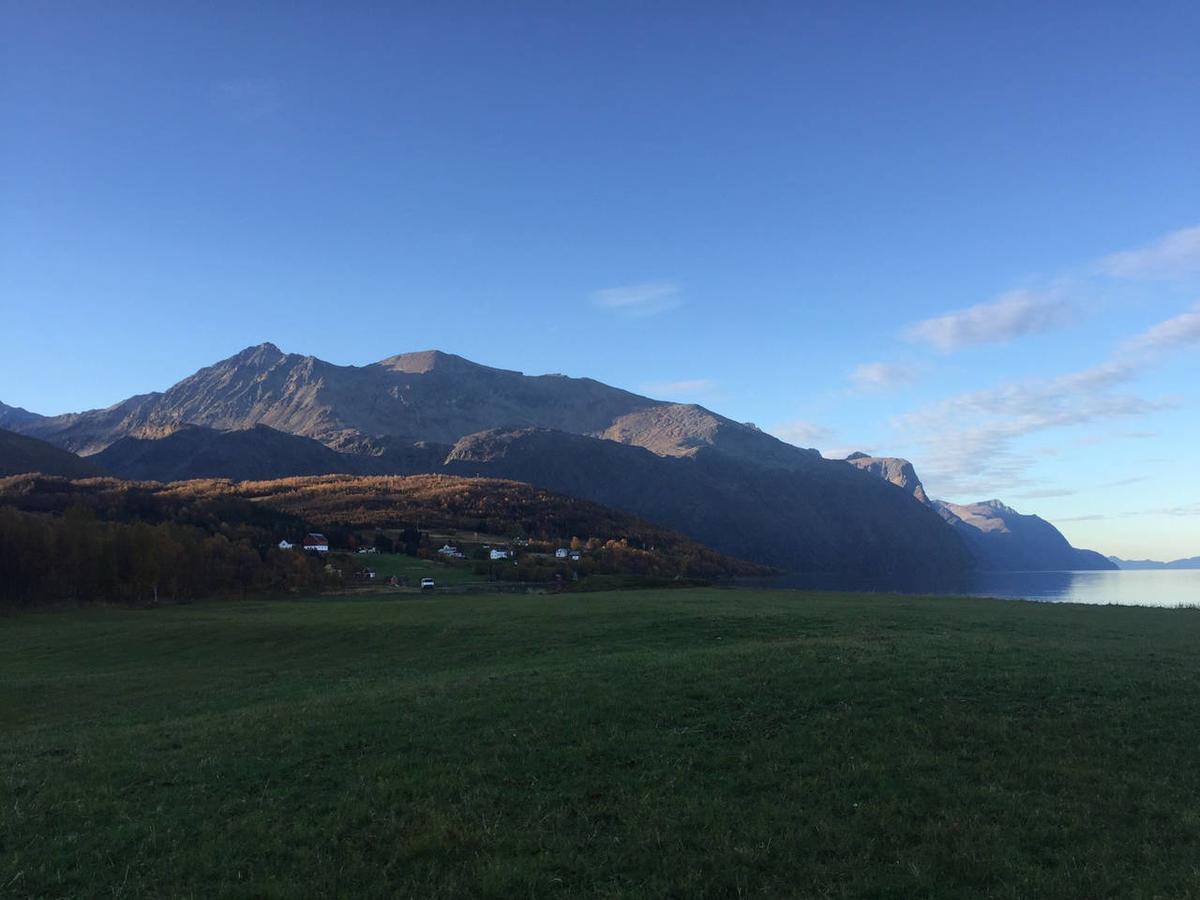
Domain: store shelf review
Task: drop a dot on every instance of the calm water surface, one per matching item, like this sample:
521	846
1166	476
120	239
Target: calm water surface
1124	587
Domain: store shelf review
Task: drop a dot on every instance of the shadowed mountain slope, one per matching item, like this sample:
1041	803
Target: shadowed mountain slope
823	517
20	454
193	451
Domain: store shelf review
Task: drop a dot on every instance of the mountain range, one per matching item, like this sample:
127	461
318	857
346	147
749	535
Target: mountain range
264	413
1000	538
1191	562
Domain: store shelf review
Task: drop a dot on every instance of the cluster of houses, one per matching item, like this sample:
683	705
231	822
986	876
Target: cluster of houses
317	543
312	543
451	552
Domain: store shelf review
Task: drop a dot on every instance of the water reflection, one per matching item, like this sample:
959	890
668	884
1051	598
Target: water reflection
1124	588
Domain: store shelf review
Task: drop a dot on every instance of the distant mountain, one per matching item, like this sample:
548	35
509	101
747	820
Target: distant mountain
12	416
20	454
682	466
1192	562
1004	539
1000	538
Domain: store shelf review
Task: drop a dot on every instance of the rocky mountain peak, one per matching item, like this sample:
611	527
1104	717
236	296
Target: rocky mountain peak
899	472
423	362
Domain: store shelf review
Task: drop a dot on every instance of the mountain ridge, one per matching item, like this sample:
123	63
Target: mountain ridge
1000	537
683	466
1189	562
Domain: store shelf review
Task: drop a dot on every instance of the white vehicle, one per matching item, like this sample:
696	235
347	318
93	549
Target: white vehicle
427	584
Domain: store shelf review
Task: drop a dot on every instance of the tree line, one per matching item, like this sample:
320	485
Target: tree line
101	542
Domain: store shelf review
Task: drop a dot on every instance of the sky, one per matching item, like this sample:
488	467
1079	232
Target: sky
964	234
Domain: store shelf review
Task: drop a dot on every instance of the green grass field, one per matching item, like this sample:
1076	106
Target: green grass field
411	567
700	743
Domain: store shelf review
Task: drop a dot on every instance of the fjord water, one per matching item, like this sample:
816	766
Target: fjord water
1122	587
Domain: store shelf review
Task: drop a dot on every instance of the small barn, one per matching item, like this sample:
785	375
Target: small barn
316	543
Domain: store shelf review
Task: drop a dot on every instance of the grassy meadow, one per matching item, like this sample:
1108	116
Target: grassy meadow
410	567
688	743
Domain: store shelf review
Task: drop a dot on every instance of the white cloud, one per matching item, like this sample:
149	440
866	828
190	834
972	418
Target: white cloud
1045	493
802	433
879	376
686	388
1175	255
1178	331
640	300
1014	314
968	438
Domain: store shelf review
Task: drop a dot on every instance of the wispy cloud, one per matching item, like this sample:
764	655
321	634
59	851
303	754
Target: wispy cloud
687	388
1186	509
1179	331
1092	440
968	438
1026	312
640	300
1012	315
1123	482
1175	255
876	377
802	433
1044	493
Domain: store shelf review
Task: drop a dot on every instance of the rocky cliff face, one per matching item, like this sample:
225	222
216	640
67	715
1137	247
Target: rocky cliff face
899	472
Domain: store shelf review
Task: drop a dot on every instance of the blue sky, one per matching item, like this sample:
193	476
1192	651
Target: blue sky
967	236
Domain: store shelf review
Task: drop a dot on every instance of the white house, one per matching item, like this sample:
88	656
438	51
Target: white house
499	554
562	553
284	545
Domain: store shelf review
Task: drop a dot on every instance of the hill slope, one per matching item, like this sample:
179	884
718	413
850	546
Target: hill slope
19	453
351	503
193	451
